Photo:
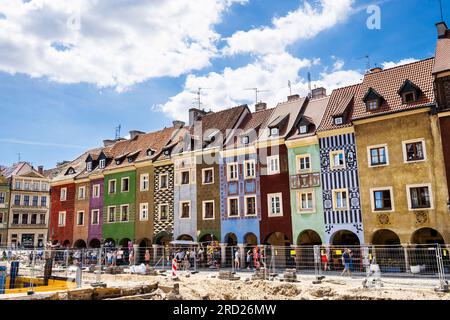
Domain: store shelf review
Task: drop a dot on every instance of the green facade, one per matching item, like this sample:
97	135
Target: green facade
301	221
120	230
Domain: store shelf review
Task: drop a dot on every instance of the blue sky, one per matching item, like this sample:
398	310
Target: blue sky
62	91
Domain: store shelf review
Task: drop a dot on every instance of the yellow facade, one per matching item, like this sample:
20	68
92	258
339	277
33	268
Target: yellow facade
397	175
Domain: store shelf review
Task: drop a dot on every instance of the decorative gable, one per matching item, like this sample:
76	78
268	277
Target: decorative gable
409	92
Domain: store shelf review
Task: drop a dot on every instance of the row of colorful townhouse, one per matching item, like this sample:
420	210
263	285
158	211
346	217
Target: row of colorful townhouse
368	164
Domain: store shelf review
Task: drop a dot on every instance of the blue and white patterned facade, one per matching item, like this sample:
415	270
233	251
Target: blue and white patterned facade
346	178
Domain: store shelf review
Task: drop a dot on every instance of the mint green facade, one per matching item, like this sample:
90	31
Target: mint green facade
119	230
306	221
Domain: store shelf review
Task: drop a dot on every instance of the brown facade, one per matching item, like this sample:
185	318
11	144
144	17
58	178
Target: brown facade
144	227
208	192
81	228
274	229
444	123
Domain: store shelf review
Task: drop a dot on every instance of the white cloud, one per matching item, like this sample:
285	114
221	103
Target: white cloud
108	43
391	64
304	23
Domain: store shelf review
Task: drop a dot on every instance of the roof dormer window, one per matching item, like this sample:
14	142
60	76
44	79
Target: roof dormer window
130	159
409	92
409	97
167	152
89	166
372	105
338	121
274	131
117	162
102	163
150	152
245	140
303	129
373	100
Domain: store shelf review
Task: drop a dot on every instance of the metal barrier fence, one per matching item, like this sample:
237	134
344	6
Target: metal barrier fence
23	269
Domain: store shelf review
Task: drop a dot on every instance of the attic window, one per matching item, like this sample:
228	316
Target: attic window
130	159
274	131
373	100
89	166
102	163
150	152
245	139
409	97
338	120
303	129
117	162
167	152
372	105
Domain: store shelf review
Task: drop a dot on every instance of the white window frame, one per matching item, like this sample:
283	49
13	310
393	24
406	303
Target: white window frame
372	198
115	186
63	215
3	196
405	156
181	209
141	210
269	165
332	154
229	165
334	197
96	212
108	214
204	209
229	206
128	212
297	163
167	181
78	213
61	198
122	184
89	166
94	193
270	196
408	196
369	155
303	127
102	163
300	208
159	211
142	181
253	163
84	192
246	207
203	175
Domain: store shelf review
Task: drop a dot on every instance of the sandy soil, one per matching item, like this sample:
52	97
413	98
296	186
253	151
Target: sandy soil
203	286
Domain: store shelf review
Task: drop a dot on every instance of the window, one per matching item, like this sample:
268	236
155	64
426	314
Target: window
35	186
111	214
163	212
124	213
338	120
33	218
15	219
25	218
340	199
95	217
232	170
143	211
63	194
273	165
275	205
303	163
144	182
419	197
43	201
372	105
249	169
163	181
18	184
125	183
62	219
250	206
409	97
96	191
208	210
112	186
102	163
80	218
1	217
42	219
337	159
303	129
2	197
414	150
233	207
382	199
305	201
167	152
185	209
185	177
44	186
81	192
89	166
208	176
35	201
245	140
274	132
26	185
17	200
26	200
378	155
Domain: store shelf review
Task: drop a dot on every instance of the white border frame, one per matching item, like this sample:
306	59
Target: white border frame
159	181
65	194
121	213
405	157
84	192
214	209
121	184
269	205
369	156
238	206
269	159
333	195
245	205
98	217
96	186
254	169
229	171
108	215
159	211
408	196
331	156
109	186
59	215
140	211
141	180
297	163
372	198
84	218
181	209
203	176
301	210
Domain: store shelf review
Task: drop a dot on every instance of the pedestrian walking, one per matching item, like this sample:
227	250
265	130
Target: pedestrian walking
346	262
324	259
131	258
236	259
147	257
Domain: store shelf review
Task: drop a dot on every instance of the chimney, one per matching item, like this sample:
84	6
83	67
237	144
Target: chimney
260	106
375	70
195	115
318	93
135	133
178	124
41	169
442	29
293	97
108	142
